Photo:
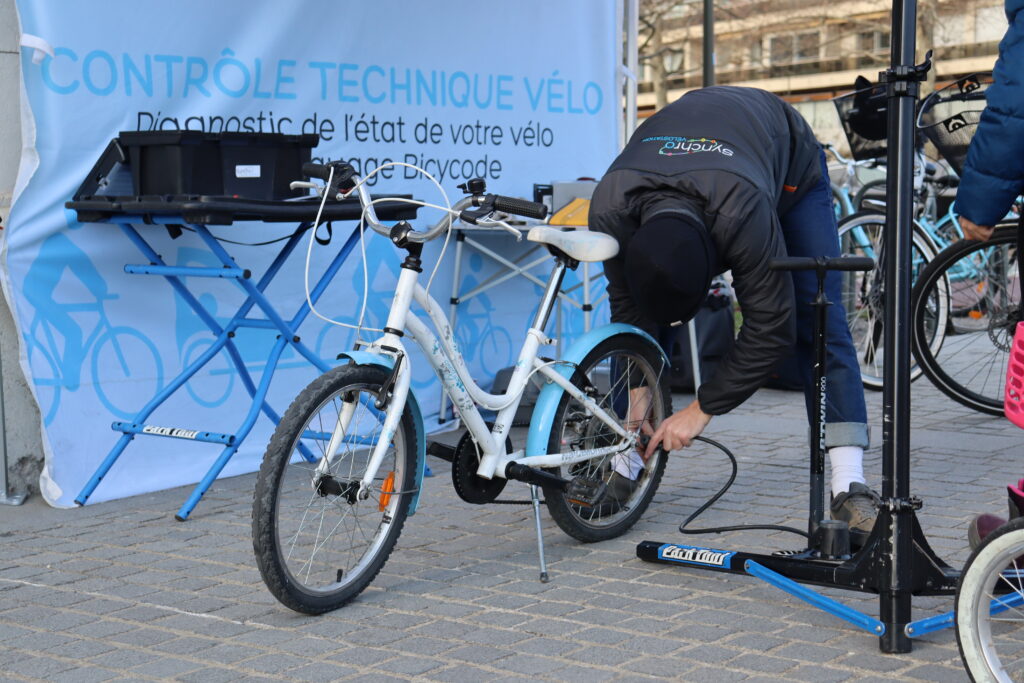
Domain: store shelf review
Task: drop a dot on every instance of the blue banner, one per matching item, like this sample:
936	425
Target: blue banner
515	92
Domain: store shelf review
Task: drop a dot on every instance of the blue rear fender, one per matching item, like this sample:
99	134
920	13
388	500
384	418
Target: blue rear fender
543	417
386	362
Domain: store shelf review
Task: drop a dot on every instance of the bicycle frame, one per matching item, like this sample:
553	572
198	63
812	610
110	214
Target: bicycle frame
450	367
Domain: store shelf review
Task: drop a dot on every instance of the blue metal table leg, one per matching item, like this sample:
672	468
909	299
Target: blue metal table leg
102	470
142	416
243	431
274	320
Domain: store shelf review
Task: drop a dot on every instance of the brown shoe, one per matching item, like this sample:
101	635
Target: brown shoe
858	507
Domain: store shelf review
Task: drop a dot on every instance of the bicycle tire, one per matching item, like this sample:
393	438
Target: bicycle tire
997	562
575	427
289	492
969	366
863	297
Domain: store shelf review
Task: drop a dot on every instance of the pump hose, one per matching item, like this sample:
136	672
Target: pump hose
721	492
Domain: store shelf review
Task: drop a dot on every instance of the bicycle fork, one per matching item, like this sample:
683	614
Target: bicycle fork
348	409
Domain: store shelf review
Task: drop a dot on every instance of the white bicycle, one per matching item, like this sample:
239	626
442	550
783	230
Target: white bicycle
345	465
990	595
990	607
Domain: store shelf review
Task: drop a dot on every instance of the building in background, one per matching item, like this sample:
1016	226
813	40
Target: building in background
806	51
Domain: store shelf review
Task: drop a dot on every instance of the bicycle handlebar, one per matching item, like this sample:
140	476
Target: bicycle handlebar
957	97
848	161
843	263
345	176
520	207
311	170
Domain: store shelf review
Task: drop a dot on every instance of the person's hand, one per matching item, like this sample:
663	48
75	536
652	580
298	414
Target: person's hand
678	430
973	231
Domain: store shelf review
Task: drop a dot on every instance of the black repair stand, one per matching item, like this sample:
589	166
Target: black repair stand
896	561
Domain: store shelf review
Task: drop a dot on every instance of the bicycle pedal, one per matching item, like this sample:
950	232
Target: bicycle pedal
585	491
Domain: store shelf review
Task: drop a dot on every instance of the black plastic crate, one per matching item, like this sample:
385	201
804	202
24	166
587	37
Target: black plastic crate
863	114
246	165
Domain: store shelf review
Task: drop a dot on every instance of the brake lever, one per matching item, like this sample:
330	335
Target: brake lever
486	207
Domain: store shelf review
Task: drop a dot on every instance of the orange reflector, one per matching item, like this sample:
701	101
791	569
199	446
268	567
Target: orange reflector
975	315
386	489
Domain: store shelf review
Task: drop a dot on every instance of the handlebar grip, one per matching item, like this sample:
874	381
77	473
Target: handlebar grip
843	263
520	207
947	181
311	170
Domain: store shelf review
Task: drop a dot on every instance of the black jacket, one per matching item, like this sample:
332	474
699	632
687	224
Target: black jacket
737	158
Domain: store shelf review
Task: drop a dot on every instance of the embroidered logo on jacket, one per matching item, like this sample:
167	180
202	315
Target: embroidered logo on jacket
673	145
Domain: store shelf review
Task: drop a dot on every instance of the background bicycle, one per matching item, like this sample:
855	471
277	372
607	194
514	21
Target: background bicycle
965	296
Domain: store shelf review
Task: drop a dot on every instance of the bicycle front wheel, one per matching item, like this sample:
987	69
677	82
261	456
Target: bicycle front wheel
863	295
990	607
981	283
621	369
318	542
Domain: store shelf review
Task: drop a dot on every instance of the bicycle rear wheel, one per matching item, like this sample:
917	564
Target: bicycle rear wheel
864	294
607	374
990	607
983	285
318	543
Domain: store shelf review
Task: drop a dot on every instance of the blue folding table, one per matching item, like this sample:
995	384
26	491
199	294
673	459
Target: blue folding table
196	213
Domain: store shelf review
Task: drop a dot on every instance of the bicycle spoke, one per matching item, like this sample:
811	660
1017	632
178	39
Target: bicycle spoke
317	547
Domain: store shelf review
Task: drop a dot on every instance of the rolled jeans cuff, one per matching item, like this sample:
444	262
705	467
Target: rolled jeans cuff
846	434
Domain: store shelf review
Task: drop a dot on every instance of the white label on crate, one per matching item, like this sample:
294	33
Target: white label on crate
247	171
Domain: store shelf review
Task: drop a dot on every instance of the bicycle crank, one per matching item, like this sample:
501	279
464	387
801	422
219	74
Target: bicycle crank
468	485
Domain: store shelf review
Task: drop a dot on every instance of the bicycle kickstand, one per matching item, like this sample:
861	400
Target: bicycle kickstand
535	497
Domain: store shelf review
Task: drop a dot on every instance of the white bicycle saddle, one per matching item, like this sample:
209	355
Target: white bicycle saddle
581	245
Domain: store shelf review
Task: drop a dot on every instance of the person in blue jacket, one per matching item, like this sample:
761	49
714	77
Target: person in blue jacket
994	172
993	177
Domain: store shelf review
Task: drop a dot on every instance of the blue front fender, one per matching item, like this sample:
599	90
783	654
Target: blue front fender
387	362
547	402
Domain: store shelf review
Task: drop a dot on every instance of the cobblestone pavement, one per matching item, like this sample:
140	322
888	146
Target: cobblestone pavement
120	590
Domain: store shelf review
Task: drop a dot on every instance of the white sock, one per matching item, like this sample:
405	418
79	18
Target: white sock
628	465
847	467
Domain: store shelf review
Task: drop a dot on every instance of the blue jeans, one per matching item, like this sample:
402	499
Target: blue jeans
809	229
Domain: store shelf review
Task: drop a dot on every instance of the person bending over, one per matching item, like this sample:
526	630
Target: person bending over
725	178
